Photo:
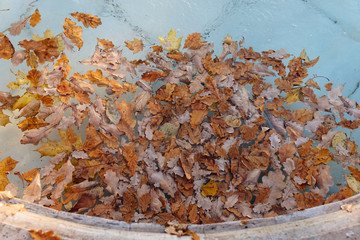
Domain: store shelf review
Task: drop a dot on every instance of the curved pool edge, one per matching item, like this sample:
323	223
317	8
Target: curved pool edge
323	222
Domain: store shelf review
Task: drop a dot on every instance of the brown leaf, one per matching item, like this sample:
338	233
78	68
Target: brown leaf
106	44
33	192
153	76
135	46
193	41
144	202
32	123
73	32
35	18
7	50
87	19
45	50
29	175
39	235
17	27
6	165
286	151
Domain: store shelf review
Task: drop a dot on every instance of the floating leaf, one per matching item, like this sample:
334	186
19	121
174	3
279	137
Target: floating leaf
4	119
7	50
40	235
73	32
87	19
6	165
136	45
353	183
35	18
171	42
209	189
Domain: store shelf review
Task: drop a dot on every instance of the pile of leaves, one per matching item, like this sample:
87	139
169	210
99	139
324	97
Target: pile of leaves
204	138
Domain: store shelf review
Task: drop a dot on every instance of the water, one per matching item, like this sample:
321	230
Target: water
327	29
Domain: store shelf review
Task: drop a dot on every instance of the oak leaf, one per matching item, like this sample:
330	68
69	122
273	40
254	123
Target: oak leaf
35	18
73	32
40	235
106	44
135	46
7	50
153	76
45	50
193	41
17	27
32	123
6	165
87	19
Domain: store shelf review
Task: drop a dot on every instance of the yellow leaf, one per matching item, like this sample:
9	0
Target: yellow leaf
353	183
51	148
171	42
339	139
23	101
304	56
47	34
294	96
7	164
209	189
4	119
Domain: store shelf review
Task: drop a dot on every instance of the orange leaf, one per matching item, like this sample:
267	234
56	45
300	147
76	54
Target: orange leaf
39	235
73	32
97	78
153	76
157	49
6	165
136	45
7	50
34	77
32	123
286	151
64	89
193	41
45	50
29	175
197	116
35	18
131	157
87	19
355	172
106	44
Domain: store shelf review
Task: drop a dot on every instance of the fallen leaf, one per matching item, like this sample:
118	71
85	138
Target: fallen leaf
171	42
6	165
4	119
87	19
106	44
7	50
353	183
17	27
40	235
33	192
35	18
73	32
209	189
193	41
135	46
